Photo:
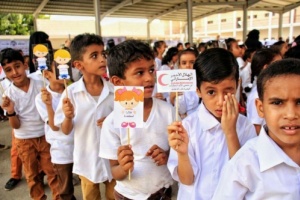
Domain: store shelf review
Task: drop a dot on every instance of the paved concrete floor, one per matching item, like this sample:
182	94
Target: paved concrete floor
21	191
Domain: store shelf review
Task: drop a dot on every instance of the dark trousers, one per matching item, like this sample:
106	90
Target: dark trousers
162	194
65	183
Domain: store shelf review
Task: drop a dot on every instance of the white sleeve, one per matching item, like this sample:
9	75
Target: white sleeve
230	185
41	108
59	115
247	132
252	114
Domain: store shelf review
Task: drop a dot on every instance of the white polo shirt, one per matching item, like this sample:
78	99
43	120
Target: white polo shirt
37	75
62	145
87	163
32	125
208	152
260	170
146	178
252	114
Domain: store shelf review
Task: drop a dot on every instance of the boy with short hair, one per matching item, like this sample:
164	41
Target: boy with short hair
131	63
267	167
62	145
88	102
27	125
207	138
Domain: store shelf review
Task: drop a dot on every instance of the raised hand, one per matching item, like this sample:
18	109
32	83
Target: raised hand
230	112
125	158
46	96
68	108
159	156
178	137
8	105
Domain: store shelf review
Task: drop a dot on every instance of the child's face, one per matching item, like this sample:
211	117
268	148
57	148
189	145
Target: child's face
236	50
213	94
93	60
129	104
187	61
281	109
15	71
139	73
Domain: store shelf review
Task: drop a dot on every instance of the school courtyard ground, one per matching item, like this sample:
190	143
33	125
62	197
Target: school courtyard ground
21	192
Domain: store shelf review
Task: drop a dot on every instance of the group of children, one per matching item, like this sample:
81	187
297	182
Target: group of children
213	153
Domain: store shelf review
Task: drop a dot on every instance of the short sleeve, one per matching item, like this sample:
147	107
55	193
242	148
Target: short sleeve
41	108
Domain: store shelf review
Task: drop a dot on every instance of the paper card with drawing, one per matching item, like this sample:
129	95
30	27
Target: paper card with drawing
41	56
128	107
180	80
62	60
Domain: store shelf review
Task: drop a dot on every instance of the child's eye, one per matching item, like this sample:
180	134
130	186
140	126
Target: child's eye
277	102
131	103
298	102
125	103
94	56
140	73
152	70
210	92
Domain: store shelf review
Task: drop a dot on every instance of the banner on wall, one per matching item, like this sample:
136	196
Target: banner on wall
22	44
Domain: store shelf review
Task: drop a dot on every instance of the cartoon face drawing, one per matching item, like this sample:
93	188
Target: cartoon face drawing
129	104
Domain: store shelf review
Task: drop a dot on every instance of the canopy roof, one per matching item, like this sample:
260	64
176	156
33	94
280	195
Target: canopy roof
175	10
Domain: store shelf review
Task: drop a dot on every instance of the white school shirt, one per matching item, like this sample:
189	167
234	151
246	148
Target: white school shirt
252	114
32	125
188	102
87	111
62	145
146	178
37	75
260	170
208	152
157	63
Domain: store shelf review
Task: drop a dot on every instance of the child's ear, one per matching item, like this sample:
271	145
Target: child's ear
117	81
78	65
259	107
198	92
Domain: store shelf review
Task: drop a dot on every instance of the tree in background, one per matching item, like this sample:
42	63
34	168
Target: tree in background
16	24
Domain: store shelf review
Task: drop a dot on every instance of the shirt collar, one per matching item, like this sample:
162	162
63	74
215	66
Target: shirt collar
269	153
207	120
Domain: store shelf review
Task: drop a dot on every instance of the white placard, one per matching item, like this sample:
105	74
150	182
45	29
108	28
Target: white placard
128	107
180	80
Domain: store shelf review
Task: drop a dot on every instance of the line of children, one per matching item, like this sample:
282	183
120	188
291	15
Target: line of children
131	63
27	125
83	107
62	145
209	137
267	167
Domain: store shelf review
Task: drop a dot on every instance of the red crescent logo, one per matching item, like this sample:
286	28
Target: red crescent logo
159	80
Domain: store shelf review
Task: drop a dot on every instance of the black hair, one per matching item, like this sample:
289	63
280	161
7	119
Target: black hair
247	54
215	65
38	37
9	55
110	44
169	55
80	42
260	59
229	42
285	67
293	52
187	51
277	46
187	43
157	45
125	53
179	44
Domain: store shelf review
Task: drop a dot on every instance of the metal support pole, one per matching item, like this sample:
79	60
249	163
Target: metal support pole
148	30
280	21
97	17
245	19
270	26
292	14
190	19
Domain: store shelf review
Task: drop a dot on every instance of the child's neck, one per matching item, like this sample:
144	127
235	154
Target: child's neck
147	108
24	85
93	84
56	87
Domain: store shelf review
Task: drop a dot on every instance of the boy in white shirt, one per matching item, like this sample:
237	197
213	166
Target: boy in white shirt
131	63
268	166
83	108
27	125
209	137
62	145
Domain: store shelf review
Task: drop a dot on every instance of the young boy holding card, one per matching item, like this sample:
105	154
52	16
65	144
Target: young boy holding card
210	136
27	125
267	167
83	108
131	63
62	145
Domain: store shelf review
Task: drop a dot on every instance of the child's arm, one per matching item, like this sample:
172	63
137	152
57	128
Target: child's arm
159	156
47	99
229	117
9	106
68	109
178	140
120	168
